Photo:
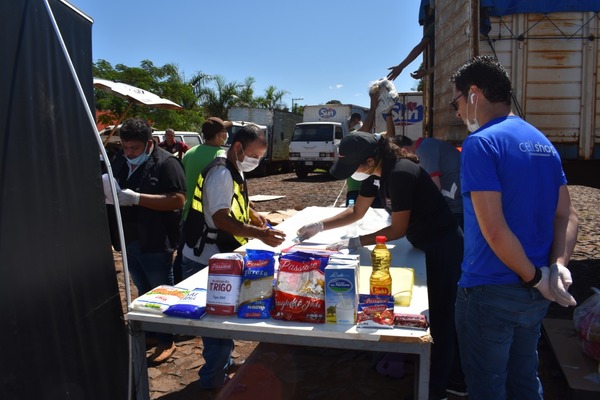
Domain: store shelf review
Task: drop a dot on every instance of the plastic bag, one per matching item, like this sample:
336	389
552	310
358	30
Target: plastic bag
587	323
387	94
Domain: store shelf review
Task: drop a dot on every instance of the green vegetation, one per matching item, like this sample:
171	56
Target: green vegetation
201	97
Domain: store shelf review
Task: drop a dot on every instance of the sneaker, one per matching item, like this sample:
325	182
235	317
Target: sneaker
162	353
457	389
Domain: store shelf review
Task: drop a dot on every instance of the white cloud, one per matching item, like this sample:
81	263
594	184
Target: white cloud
337	86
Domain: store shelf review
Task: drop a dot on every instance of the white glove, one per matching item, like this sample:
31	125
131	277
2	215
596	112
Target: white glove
108	198
350	244
128	197
560	280
544	284
310	230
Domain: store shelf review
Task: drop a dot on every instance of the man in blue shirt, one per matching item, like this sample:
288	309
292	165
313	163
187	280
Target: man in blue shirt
519	220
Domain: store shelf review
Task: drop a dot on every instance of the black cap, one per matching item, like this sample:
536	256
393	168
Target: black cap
353	151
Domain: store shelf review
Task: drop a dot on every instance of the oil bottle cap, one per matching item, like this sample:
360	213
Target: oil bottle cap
380	239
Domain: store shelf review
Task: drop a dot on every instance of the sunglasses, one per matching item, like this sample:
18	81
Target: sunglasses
453	102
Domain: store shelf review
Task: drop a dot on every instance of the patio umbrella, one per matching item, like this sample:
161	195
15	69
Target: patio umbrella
133	95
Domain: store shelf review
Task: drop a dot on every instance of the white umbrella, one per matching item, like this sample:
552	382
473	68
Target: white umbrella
133	95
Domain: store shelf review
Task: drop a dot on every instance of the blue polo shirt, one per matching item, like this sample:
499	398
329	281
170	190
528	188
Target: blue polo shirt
509	156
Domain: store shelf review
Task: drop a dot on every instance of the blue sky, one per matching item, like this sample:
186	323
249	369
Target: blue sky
318	50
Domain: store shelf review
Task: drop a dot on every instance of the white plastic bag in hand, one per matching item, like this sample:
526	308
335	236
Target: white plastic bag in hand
387	94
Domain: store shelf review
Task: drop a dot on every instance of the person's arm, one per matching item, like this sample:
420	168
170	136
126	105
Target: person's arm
506	246
257	219
370	120
227	223
162	202
566	225
414	53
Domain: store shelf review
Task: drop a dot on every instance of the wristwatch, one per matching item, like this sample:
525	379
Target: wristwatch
534	281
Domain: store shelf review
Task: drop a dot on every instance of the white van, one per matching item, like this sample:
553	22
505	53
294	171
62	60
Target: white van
314	145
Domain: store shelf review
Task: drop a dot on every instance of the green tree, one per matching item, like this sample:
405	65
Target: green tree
334	102
165	81
273	98
217	100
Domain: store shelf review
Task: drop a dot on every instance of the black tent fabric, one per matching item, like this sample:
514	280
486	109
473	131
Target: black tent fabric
61	321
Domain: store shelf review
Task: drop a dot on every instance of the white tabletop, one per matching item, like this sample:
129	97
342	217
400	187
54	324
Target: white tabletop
301	333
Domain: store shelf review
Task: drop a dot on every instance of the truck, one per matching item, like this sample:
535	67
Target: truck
551	52
279	129
408	114
316	139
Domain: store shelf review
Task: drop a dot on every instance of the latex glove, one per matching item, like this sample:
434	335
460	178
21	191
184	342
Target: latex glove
108	198
128	197
350	244
544	285
560	280
310	230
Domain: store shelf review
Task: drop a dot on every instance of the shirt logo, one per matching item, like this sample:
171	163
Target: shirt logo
537	149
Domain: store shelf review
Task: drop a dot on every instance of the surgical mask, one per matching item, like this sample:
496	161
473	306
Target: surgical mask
357	126
139	160
361	176
472	127
226	137
248	164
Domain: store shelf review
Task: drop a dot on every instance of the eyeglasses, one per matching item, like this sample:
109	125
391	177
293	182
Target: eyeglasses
453	102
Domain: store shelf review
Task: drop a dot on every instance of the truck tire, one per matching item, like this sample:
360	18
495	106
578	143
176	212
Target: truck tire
301	172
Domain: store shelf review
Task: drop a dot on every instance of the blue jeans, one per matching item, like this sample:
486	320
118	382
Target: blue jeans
498	329
217	352
149	270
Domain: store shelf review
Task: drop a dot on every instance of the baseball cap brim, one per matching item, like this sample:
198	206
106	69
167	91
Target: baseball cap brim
353	151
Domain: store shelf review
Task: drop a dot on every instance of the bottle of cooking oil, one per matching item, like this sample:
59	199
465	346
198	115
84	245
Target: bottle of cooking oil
381	259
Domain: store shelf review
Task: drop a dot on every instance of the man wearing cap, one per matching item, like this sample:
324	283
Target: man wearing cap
173	146
419	212
214	132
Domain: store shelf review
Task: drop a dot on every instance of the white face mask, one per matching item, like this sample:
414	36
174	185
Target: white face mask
357	126
360	176
248	164
226	137
472	127
139	160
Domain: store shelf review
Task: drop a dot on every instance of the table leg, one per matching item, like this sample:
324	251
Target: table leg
422	378
137	339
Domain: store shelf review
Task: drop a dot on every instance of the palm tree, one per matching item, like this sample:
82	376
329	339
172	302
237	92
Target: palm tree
272	98
216	101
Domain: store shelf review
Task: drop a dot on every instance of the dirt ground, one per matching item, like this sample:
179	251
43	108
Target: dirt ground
174	379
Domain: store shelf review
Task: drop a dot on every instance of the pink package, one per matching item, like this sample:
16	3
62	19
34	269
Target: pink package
224	281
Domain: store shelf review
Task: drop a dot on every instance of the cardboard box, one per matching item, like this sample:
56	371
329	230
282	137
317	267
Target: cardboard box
341	292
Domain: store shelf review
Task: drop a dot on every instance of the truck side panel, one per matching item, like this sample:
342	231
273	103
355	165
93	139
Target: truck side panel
552	60
282	130
408	114
554	75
